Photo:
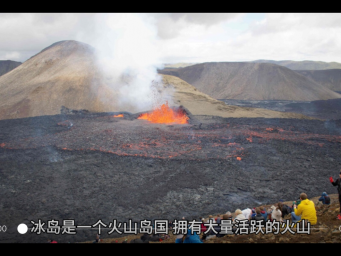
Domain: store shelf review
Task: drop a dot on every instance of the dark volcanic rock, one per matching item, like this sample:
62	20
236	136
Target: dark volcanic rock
65	111
104	168
322	109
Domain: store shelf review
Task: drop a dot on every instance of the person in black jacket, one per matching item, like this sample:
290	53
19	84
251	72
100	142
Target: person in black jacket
338	184
285	209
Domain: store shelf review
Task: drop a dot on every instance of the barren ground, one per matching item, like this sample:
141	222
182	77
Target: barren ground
88	167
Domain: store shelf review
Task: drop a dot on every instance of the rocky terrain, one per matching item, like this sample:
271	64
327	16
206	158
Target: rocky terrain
321	109
69	152
86	166
251	81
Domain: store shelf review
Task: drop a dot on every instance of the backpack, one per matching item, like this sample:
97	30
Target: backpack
326	199
288	209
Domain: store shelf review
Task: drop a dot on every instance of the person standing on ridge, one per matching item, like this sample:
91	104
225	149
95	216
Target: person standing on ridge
338	184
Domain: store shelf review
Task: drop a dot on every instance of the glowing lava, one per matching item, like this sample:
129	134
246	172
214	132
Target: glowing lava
120	115
165	115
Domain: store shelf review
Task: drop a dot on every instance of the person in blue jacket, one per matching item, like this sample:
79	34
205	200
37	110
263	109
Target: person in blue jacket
189	238
325	198
192	238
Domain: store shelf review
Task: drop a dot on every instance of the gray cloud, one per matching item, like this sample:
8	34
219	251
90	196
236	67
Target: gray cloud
281	22
169	25
26	33
206	19
184	36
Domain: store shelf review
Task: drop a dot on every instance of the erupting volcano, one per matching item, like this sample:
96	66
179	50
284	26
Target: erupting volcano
66	159
165	115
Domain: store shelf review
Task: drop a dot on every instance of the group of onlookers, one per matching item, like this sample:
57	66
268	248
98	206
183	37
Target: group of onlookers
303	208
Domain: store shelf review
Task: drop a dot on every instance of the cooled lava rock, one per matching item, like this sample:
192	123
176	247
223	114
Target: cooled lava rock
112	168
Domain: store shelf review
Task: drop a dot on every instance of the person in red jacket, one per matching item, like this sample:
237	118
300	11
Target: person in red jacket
203	229
338	184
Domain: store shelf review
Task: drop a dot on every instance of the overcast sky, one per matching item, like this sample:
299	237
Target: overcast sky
180	37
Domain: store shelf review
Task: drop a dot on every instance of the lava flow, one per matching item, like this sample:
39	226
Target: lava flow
165	115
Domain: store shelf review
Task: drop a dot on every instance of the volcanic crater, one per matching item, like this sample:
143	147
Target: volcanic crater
89	166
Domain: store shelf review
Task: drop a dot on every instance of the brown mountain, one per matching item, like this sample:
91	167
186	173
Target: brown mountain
251	81
7	65
62	74
65	74
330	78
200	104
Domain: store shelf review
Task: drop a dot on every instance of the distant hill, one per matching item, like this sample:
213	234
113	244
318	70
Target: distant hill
331	78
251	81
65	74
7	65
201	104
303	65
178	65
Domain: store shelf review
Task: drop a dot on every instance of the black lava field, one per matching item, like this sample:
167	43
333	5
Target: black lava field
88	167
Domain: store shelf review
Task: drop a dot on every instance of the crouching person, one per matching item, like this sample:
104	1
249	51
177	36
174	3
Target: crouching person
304	211
325	198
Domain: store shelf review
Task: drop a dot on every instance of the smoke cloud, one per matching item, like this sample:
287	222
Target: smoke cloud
127	53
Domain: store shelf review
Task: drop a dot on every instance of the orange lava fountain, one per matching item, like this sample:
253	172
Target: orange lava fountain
165	115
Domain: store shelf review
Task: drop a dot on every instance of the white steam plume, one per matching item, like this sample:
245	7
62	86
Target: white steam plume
128	55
